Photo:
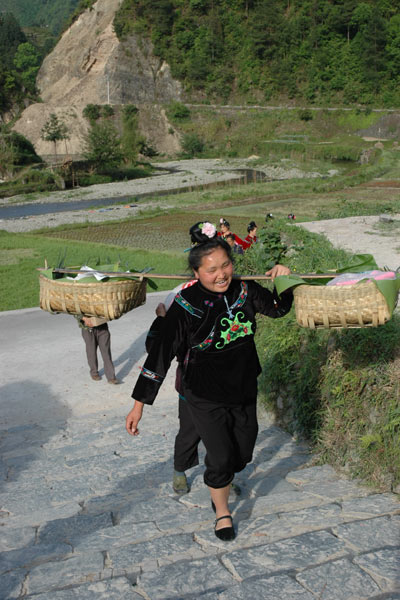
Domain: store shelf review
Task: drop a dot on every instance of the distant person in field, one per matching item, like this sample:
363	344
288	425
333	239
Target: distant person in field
224	230
251	237
236	249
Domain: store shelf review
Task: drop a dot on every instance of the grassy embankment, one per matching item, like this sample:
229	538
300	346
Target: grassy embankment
341	389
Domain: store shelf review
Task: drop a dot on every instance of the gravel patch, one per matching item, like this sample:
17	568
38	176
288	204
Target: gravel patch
361	235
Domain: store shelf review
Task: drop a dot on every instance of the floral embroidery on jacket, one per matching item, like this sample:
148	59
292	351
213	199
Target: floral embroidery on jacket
235	329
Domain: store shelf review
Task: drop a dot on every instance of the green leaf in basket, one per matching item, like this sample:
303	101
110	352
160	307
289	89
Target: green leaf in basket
152	284
284	282
359	263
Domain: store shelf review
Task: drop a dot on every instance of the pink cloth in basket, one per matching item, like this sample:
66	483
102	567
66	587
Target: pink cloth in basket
352	278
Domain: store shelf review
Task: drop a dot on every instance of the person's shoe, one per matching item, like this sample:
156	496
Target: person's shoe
180	484
96	377
226	534
115	381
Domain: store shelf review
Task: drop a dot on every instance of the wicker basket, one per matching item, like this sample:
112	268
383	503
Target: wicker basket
360	305
107	299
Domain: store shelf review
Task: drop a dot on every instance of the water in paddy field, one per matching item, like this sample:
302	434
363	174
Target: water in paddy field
32	209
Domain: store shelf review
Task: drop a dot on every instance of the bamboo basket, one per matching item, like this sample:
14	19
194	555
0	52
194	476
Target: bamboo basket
106	299
360	305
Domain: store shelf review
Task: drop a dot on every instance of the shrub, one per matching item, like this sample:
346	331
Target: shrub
178	111
107	111
92	112
305	114
129	111
192	144
130	139
146	150
18	149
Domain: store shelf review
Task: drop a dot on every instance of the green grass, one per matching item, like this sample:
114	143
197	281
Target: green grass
22	254
233	133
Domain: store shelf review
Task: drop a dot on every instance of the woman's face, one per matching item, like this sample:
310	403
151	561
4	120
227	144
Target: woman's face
253	232
224	229
215	271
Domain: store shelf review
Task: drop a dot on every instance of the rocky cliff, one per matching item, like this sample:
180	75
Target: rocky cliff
90	65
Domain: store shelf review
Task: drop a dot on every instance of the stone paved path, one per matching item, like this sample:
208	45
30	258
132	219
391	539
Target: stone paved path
87	512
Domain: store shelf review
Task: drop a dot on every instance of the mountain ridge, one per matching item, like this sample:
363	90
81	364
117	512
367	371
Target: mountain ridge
89	65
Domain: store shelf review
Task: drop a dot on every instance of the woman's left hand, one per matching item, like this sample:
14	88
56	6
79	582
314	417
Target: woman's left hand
278	270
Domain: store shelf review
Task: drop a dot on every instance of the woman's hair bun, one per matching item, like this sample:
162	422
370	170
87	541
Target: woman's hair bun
201	232
223	221
251	226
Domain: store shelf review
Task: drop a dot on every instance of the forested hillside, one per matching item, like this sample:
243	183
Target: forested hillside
19	64
28	31
52	14
257	50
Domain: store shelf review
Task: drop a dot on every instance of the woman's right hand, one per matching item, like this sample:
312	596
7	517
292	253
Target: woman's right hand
161	311
133	418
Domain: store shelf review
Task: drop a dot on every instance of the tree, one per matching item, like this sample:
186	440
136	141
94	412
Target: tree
27	62
192	145
102	146
54	130
130	137
11	36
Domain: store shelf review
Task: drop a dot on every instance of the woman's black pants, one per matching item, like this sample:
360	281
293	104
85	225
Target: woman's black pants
228	433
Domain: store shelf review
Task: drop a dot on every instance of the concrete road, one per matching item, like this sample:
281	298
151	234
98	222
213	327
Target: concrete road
45	376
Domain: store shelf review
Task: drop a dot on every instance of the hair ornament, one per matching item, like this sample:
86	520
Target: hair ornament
208	229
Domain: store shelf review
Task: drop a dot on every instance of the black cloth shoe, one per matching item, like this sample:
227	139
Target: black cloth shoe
226	534
180	484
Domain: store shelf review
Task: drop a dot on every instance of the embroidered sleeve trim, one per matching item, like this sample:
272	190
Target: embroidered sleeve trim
196	312
151	375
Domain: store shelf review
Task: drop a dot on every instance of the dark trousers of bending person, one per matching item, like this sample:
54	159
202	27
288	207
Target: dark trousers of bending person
99	338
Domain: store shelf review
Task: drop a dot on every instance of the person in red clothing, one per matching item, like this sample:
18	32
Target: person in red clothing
224	230
251	237
212	324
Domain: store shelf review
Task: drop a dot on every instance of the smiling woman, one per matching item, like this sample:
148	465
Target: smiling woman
212	324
